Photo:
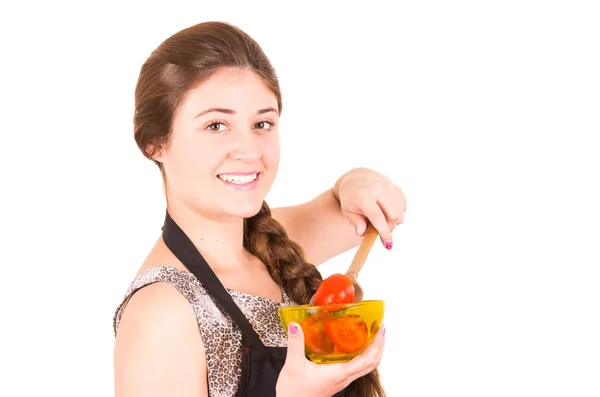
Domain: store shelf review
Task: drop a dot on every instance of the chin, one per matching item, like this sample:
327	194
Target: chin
243	210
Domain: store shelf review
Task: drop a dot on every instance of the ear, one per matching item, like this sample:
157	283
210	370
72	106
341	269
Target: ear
154	151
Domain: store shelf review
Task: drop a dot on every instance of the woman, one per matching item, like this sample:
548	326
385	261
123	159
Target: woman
201	316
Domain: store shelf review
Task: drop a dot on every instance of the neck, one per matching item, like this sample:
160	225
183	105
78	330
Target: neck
219	240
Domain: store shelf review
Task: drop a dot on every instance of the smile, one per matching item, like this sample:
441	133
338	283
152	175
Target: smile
238	178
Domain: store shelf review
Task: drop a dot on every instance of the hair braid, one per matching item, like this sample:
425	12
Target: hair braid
266	238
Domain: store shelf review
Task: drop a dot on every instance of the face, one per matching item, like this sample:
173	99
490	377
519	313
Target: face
223	152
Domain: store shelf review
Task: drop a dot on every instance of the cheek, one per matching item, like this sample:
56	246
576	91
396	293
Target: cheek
271	153
194	162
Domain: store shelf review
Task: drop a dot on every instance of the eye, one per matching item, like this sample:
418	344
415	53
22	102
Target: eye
216	127
264	125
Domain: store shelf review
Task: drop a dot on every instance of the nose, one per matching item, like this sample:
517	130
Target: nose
245	147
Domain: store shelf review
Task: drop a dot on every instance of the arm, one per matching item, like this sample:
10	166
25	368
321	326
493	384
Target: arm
158	349
334	222
319	226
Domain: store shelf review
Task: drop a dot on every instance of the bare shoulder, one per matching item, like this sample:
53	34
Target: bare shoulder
158	347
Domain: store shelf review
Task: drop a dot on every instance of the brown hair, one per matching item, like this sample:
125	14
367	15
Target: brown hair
184	61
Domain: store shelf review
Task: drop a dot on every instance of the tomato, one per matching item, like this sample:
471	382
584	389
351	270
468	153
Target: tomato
335	289
315	337
348	333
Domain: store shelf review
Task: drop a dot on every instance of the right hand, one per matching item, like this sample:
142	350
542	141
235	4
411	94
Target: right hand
301	377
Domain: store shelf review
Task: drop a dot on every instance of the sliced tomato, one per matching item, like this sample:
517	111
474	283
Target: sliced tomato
335	289
315	337
348	333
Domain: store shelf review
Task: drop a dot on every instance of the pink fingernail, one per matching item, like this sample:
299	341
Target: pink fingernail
388	245
292	329
383	331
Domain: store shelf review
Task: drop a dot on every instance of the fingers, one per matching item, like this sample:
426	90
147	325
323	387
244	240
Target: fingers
377	218
383	206
393	208
359	222
295	344
393	214
368	360
372	362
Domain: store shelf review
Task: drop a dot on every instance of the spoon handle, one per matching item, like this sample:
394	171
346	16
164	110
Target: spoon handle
363	251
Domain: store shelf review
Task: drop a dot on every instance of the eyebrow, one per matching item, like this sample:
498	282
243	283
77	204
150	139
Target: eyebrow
230	111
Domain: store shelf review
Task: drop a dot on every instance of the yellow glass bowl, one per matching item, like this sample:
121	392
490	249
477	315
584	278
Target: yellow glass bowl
335	333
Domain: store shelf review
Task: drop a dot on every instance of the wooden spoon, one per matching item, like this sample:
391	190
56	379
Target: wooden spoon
343	284
359	260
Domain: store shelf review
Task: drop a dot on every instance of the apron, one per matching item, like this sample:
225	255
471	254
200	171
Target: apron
260	364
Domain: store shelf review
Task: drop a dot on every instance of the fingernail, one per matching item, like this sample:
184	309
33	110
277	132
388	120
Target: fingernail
382	331
292	329
388	245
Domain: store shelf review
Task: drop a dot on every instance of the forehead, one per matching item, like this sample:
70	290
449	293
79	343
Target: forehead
241	90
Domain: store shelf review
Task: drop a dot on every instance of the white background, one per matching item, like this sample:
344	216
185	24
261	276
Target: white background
485	113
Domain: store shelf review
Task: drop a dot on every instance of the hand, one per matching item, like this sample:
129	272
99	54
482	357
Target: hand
366	195
301	377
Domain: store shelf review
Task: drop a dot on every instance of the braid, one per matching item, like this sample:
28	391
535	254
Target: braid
266	238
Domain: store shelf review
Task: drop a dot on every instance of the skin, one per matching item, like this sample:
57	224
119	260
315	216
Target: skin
158	350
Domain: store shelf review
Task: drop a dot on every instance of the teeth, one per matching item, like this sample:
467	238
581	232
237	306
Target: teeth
238	179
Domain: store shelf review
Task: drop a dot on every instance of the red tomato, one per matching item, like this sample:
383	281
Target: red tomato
335	289
315	337
348	333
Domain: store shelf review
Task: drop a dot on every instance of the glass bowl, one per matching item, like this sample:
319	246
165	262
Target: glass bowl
335	333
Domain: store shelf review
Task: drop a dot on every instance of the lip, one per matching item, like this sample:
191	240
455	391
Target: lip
240	173
247	186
